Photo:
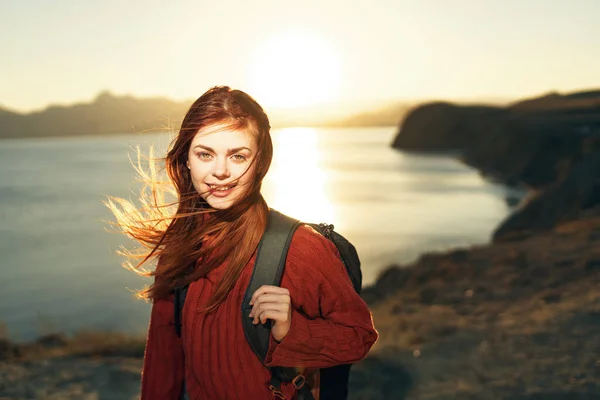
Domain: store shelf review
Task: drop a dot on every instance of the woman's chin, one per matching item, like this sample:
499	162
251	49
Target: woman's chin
219	203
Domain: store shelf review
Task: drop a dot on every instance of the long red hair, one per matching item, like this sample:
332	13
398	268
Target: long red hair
186	244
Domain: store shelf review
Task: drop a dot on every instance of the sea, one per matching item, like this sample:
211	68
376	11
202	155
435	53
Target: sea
59	267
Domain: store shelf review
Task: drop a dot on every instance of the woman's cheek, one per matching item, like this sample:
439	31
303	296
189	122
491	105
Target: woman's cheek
240	173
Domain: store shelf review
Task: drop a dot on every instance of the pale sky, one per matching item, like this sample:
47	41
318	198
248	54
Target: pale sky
287	53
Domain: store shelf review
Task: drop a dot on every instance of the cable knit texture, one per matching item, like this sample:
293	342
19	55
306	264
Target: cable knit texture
330	325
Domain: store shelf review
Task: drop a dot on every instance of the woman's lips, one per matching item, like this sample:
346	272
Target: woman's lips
217	191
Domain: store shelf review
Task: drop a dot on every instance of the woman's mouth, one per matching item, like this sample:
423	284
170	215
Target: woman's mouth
221	190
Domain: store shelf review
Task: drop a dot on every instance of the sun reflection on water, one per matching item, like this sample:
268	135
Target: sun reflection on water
296	183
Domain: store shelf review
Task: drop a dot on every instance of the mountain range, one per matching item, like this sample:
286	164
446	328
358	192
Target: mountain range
110	114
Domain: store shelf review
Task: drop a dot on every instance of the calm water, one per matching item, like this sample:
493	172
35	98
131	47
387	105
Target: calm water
58	266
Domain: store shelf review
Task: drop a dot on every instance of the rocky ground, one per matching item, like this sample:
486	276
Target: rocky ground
512	320
515	320
88	366
71	378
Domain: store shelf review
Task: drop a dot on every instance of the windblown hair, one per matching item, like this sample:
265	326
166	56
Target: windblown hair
186	244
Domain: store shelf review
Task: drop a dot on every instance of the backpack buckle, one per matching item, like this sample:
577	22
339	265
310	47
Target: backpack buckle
299	381
277	393
327	229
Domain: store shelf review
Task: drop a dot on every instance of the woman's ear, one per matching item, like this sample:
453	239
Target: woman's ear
188	163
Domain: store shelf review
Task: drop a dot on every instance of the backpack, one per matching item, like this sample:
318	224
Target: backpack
268	270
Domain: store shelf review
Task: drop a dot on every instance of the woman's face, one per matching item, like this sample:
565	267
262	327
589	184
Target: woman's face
220	164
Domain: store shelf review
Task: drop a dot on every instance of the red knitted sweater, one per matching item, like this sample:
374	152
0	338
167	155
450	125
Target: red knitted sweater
330	325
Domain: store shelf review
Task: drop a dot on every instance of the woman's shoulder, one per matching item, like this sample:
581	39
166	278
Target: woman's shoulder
306	238
310	250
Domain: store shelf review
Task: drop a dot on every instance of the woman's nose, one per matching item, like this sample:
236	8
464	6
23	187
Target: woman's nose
221	170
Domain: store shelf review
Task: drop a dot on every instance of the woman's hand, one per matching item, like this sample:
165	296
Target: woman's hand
272	302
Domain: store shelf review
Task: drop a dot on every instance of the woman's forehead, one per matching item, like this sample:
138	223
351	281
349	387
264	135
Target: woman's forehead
224	136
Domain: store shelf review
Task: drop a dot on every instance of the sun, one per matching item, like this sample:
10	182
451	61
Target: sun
294	69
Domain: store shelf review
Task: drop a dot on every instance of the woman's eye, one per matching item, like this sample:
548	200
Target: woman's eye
203	155
239	157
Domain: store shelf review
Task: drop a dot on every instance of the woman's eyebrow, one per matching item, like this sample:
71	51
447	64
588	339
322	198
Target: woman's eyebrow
229	151
238	149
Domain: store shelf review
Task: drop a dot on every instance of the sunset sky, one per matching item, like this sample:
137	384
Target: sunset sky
288	53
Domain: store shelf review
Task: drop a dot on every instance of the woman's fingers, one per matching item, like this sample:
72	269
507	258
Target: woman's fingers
268	289
271	298
259	309
269	294
274	303
274	315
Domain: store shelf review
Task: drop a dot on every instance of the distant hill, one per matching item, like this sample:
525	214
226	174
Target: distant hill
106	114
522	142
110	114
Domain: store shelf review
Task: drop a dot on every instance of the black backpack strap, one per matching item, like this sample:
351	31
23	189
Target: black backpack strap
268	270
178	302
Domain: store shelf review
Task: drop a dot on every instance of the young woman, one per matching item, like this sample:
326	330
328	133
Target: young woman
216	165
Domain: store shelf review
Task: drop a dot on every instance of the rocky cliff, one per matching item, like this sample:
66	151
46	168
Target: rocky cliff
549	145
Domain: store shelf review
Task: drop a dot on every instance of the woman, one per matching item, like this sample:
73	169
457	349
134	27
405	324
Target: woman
216	164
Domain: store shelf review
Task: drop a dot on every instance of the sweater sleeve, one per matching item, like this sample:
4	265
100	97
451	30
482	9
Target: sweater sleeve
163	370
331	324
